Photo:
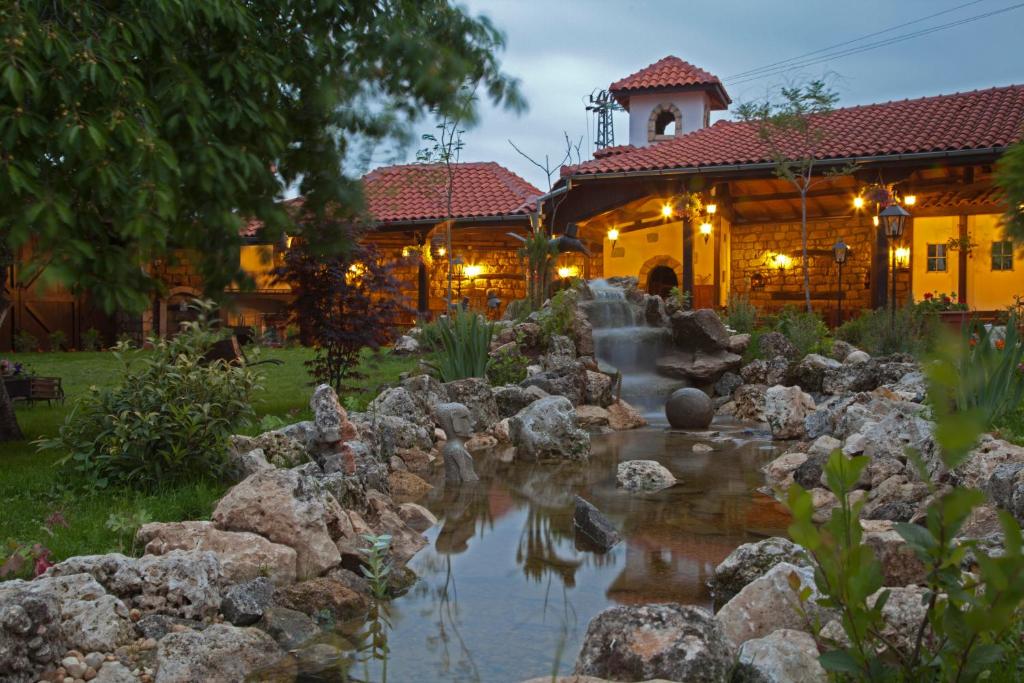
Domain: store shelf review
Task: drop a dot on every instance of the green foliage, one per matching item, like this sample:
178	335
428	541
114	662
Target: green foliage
129	128
539	253
57	340
990	371
124	525
916	331
807	331
24	342
91	340
678	298
741	315
376	567
517	310
507	367
1010	177
465	346
167	421
970	629
558	316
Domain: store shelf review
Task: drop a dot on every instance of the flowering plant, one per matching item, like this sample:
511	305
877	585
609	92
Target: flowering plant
940	301
11	369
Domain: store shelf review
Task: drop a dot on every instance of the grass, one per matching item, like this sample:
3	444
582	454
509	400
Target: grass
31	486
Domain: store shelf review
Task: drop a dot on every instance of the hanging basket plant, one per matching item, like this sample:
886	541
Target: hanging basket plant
964	243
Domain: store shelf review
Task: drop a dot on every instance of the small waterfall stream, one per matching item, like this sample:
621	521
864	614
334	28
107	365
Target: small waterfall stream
623	341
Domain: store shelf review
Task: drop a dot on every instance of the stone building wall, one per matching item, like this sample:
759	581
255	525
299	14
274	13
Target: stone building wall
755	246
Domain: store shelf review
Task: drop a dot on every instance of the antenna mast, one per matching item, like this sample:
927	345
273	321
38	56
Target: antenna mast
603	104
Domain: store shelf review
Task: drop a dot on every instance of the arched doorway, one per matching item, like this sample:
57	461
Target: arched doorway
661	280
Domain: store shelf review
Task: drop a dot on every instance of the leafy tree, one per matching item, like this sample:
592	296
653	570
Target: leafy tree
131	128
343	303
1010	177
792	129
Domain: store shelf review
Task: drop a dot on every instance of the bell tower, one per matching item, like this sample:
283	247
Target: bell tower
668	99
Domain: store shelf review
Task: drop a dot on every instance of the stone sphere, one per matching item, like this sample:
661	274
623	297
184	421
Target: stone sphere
689	408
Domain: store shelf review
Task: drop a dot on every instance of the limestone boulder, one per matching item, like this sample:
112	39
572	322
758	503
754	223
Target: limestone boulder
569	381
779	473
775	344
785	409
408	486
902	614
399	402
701	329
750	562
840	350
31	638
416	517
592	417
727	383
242	463
769	372
599	389
289	628
749	402
809	373
592	524
405	345
561	353
218	653
770	603
475	393
314	597
738	343
244	603
288	509
511	398
382	517
547	429
900	565
329	418
643	476
427	392
622	416
1005	487
784	656
642	642
891	436
977	469
179	583
698	366
243	555
851	377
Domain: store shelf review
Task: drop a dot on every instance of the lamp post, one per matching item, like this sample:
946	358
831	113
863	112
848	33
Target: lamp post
894	219
840	252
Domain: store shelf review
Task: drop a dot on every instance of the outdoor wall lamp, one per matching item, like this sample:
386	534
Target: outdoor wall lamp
858	202
712	209
566	272
781	261
666	210
705	229
902	257
472	271
613	236
840	252
910	199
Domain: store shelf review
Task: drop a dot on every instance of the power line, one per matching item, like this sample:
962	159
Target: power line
750	72
875	45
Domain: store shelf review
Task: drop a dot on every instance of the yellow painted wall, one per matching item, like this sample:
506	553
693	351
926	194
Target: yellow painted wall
638	249
936	230
725	263
989	289
258	261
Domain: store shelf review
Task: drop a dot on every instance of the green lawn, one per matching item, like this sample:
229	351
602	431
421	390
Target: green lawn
30	484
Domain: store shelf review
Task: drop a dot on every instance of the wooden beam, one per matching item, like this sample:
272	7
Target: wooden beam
961	259
687	284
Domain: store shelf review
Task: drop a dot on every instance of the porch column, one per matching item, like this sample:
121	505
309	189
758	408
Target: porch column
687	284
880	270
423	290
961	259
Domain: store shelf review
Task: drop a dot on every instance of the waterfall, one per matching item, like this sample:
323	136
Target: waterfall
623	341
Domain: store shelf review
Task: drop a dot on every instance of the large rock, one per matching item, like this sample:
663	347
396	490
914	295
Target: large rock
977	469
181	583
750	562
898	431
780	472
654	311
408	486
570	382
591	523
769	372
698	366
399	402
31	638
775	344
622	416
599	389
561	353
1005	487
277	448
387	434
218	653
727	384
902	614
547	429
852	376
289	628
382	517
512	398
770	603
689	408
242	555
475	394
643	476
592	417
784	656
809	373
785	409
672	642
322	596
700	329
749	402
426	391
245	603
288	509
900	565
329	418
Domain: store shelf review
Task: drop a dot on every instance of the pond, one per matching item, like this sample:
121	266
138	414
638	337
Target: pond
505	594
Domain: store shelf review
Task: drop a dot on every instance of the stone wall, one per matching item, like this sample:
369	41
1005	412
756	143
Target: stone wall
755	247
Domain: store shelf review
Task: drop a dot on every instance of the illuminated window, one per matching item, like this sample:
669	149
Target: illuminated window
1002	255
936	258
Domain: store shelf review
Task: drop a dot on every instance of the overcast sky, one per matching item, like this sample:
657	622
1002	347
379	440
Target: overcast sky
561	50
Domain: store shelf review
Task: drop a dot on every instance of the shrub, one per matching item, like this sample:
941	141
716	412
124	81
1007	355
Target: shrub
679	299
807	332
916	331
57	340
168	420
558	316
24	342
507	367
465	342
989	371
742	315
91	340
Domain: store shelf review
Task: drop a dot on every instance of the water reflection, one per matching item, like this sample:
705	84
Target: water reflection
505	592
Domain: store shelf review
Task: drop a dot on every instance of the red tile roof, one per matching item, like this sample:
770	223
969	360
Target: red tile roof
669	72
975	120
397	194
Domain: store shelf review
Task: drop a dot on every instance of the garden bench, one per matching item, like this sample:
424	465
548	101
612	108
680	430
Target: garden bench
230	351
47	389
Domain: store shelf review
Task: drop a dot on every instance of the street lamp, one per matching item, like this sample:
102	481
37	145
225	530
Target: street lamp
893	219
840	252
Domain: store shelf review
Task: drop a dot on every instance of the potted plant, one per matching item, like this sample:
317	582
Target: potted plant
950	311
16	378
